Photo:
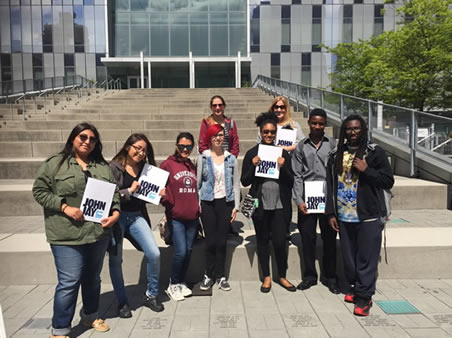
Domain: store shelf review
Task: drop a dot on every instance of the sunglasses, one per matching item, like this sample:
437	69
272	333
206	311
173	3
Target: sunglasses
268	131
279	107
85	138
184	146
217	105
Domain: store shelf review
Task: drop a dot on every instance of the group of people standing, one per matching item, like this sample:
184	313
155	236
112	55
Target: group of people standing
354	171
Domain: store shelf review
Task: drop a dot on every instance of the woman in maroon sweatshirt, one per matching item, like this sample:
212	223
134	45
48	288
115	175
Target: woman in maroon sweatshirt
182	212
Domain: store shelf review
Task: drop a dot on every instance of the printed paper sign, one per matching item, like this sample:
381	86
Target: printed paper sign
97	199
269	166
152	180
315	196
285	137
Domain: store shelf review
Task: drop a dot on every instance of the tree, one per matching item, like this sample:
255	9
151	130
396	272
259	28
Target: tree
411	66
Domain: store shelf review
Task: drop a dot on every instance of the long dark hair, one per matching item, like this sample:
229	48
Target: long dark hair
362	144
68	151
188	136
121	156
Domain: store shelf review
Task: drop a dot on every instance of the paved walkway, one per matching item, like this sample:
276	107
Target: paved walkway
245	312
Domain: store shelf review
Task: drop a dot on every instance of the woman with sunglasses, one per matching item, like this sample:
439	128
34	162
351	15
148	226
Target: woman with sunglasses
281	108
231	137
274	198
78	246
219	192
182	212
134	222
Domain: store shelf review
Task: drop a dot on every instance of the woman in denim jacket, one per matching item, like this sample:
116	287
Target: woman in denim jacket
219	192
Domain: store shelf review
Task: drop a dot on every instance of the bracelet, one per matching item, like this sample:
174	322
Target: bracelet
64	208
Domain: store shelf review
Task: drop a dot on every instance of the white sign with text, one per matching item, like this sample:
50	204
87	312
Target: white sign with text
97	198
152	180
285	137
268	167
314	192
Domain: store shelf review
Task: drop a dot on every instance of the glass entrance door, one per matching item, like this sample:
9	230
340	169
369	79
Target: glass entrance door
135	82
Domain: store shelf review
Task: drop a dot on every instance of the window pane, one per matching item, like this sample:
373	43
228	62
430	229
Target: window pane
159	40
199	40
140	39
219	40
36	25
99	12
238	39
179	40
16	39
122	40
90	31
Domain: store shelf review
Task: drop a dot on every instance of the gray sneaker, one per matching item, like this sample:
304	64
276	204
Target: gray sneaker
207	283
223	284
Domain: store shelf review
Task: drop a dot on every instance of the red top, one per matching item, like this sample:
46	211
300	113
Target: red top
232	141
181	200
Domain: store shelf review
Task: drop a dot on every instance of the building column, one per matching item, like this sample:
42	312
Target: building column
191	70
142	69
238	71
149	74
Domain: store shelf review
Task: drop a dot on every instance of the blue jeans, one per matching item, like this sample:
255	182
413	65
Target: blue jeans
76	265
136	225
184	234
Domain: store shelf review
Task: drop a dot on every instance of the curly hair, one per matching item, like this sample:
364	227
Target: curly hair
264	118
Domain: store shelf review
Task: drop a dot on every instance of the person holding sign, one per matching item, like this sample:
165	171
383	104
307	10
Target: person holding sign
291	129
274	197
309	165
182	212
78	246
219	192
134	222
356	176
231	137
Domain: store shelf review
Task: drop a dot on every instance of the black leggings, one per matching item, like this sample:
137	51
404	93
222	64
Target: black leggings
216	219
271	222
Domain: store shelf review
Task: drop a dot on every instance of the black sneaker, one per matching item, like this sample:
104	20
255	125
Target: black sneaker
207	283
153	303
124	311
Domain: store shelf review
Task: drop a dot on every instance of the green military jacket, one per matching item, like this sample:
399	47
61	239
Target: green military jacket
52	188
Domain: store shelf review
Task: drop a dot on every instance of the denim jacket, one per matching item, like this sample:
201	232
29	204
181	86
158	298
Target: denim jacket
206	178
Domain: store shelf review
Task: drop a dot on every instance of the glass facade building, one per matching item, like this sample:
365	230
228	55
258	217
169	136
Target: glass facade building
180	43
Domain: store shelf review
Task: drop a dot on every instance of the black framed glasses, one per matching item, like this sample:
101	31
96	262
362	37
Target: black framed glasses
84	138
218	136
181	147
354	129
138	149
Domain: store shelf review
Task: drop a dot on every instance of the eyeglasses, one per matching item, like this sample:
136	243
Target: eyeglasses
184	146
138	149
85	138
282	107
354	129
218	136
217	105
268	131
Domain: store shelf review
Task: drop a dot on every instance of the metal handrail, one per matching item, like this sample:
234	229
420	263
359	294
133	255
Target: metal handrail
281	87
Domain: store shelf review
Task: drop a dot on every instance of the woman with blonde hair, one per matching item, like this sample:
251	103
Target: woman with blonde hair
281	108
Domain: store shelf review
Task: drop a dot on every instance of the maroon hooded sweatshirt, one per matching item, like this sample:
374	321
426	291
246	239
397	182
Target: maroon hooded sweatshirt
181	200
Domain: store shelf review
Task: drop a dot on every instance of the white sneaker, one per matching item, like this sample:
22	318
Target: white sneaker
223	284
174	292
184	289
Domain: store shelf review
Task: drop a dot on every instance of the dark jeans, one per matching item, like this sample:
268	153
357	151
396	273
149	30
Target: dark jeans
76	265
272	222
216	219
183	236
307	225
361	245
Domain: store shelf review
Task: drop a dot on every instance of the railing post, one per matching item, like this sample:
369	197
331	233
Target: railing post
369	117
413	142
308	99
23	106
342	112
322	98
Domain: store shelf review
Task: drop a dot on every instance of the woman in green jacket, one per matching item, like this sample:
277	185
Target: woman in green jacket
78	246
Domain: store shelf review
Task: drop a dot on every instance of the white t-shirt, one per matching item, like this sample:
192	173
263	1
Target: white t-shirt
219	187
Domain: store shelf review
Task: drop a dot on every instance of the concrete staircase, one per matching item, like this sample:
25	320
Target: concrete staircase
161	114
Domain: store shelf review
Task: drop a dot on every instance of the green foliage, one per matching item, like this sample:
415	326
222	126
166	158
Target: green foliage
411	66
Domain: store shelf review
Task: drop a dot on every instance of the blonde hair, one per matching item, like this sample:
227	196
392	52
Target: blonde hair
287	116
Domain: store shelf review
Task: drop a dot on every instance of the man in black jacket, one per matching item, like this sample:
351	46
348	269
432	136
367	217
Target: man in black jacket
356	176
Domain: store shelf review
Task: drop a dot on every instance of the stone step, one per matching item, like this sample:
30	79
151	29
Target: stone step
415	251
409	194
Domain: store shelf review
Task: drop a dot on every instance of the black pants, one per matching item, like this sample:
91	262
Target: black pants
216	218
271	222
361	245
307	225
